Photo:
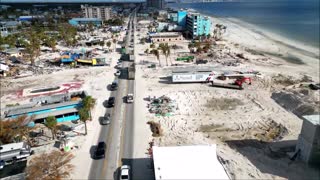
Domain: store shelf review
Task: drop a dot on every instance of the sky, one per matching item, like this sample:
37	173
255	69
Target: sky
63	1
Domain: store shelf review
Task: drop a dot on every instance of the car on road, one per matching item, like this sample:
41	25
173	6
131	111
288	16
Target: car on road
100	150
125	172
118	73
105	120
114	85
130	98
111	101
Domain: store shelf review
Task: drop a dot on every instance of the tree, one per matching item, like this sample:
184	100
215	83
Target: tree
51	123
152	45
51	42
165	50
88	103
14	130
47	166
146	51
32	45
155	52
109	44
84	116
114	43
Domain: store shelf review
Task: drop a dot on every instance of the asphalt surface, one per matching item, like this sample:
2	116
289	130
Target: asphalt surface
118	135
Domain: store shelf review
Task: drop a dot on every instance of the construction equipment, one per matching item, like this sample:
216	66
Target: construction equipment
237	84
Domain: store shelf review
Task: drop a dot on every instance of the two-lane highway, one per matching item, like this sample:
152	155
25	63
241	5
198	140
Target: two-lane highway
119	134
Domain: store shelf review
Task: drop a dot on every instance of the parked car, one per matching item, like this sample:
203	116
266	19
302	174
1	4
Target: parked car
100	150
125	172
130	98
111	101
105	120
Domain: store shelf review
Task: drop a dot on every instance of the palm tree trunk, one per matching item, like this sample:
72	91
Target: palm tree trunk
85	128
53	137
159	62
167	60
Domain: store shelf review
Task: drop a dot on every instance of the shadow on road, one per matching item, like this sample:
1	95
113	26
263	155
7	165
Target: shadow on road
141	168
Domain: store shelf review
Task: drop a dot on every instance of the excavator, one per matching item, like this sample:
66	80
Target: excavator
237	84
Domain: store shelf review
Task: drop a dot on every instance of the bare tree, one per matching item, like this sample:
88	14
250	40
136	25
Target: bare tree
47	166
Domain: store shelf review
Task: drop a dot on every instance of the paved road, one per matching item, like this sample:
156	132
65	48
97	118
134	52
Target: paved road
118	135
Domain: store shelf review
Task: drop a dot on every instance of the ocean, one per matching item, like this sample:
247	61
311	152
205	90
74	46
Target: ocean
294	19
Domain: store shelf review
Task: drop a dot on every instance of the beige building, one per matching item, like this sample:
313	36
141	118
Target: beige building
166	37
101	12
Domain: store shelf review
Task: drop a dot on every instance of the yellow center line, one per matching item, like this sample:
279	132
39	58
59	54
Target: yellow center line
122	130
109	136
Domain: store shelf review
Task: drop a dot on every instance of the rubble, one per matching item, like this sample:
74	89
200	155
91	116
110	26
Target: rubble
162	106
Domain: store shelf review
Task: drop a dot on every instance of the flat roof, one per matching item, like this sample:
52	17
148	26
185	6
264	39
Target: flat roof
165	34
187	162
314	119
51	106
86	19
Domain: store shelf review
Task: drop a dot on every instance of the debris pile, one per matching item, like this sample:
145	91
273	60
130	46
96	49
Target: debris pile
155	128
162	106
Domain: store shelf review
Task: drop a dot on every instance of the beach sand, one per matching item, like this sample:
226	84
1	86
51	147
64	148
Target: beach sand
249	127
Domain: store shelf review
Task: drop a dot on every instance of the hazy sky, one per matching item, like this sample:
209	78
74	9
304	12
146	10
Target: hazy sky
58	1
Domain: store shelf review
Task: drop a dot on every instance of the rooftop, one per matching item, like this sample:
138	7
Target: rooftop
314	119
181	162
41	108
86	19
166	34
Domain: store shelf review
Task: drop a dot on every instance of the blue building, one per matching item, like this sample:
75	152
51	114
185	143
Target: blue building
198	25
65	111
182	18
83	21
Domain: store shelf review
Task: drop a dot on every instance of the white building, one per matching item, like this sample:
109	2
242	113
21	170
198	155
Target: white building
101	12
187	162
166	37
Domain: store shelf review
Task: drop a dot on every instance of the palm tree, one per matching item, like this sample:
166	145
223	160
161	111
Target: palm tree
33	45
51	123
109	44
152	45
146	51
88	103
84	116
114	43
156	53
165	50
47	166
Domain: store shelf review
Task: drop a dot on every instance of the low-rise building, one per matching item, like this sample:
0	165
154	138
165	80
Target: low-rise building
85	21
308	146
198	25
187	162
166	37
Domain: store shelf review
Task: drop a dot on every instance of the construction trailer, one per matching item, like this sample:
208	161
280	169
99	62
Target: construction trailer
93	61
131	71
14	151
231	83
192	75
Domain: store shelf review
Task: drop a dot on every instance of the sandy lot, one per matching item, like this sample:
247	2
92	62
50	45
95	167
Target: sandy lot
255	135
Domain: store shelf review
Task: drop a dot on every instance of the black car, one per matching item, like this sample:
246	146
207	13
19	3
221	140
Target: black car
100	150
314	86
106	119
111	101
114	86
